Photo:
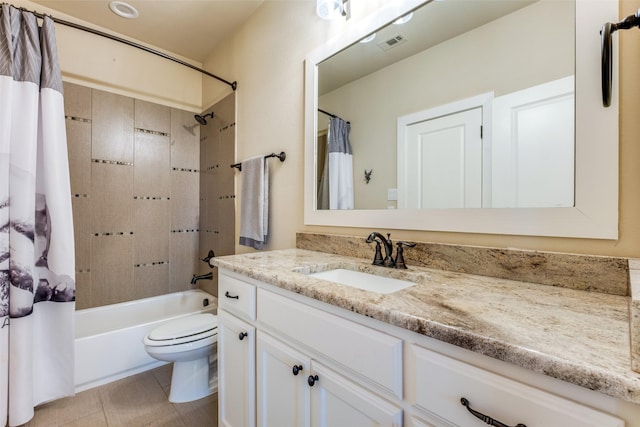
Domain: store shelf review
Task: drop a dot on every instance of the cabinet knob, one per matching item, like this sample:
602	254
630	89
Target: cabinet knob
485	418
297	369
242	335
312	380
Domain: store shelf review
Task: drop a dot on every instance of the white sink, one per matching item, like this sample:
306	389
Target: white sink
366	281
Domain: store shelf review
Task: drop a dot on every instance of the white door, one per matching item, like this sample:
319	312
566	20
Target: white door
236	372
533	147
338	402
443	162
282	389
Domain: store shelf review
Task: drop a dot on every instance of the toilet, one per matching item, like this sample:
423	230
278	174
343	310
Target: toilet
188	342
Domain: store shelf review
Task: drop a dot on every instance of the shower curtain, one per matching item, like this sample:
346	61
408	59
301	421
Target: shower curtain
336	185
37	269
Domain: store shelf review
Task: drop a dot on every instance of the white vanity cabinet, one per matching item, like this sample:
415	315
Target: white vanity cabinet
283	392
294	390
367	373
441	383
236	371
236	353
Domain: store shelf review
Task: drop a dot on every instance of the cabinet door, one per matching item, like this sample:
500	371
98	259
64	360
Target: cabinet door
338	402
236	372
282	390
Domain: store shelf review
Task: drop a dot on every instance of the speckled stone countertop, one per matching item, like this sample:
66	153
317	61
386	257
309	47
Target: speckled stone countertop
574	335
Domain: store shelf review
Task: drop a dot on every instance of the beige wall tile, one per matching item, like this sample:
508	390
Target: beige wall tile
112	198
106	263
152	230
79	149
77	100
152	173
151	280
111	269
185	140
112	127
83	290
150	116
185	192
226	227
184	260
81	207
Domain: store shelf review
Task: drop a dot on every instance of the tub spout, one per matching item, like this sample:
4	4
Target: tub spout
207	276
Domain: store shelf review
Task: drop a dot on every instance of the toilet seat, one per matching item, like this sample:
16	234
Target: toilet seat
185	330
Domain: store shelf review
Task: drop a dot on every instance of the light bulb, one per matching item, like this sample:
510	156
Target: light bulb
329	9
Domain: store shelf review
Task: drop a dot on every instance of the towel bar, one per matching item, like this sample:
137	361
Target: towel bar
282	156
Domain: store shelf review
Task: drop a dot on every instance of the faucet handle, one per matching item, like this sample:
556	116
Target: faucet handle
377	259
400	254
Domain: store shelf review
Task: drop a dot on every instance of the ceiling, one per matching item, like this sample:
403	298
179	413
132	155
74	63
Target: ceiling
189	28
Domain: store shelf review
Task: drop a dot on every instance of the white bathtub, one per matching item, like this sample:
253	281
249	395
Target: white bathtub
108	344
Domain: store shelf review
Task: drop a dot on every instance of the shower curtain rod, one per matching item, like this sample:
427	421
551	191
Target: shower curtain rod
233	85
333	116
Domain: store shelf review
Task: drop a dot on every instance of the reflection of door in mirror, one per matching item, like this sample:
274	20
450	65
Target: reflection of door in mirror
533	146
442	164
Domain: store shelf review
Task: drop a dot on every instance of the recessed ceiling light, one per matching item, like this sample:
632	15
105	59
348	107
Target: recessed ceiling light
369	38
404	19
123	9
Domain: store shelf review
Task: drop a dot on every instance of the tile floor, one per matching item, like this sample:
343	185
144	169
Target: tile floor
136	401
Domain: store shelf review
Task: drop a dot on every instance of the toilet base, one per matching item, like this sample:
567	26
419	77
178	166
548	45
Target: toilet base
190	381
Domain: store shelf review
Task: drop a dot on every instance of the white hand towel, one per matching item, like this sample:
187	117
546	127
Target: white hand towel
254	203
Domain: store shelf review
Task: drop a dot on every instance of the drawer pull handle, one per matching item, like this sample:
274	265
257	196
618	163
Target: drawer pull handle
312	380
485	418
297	369
228	295
242	335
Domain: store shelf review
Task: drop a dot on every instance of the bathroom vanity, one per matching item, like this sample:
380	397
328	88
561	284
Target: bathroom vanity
452	349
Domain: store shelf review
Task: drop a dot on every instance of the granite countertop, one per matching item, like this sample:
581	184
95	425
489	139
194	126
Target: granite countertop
573	335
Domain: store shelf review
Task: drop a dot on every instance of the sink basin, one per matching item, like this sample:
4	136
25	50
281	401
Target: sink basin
365	281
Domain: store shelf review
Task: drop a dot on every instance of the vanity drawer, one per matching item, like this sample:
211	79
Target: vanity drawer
441	382
236	296
373	354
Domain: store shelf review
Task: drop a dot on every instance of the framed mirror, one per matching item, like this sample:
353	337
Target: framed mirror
491	69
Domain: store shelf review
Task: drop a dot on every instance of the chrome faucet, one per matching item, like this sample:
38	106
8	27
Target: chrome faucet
206	276
388	249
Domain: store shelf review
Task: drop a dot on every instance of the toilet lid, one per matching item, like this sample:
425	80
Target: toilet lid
184	329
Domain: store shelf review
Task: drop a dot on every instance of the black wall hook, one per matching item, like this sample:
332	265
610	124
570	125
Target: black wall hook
607	54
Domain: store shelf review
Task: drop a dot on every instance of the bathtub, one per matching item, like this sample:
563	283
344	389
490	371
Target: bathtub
108	343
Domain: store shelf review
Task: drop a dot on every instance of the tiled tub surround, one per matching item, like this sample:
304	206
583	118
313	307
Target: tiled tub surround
217	190
135	177
576	336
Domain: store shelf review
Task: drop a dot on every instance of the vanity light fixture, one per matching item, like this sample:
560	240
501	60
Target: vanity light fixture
125	10
332	9
369	38
404	19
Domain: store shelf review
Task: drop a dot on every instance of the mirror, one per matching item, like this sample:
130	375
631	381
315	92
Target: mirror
530	62
511	147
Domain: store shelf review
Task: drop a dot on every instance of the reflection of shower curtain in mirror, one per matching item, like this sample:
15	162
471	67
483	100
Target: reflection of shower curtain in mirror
336	185
37	268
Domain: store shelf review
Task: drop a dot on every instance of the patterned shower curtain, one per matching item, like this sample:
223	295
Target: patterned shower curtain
37	270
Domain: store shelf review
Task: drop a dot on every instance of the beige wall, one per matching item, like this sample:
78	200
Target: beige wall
266	56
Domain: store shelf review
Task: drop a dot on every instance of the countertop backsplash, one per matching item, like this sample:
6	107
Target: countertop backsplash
608	275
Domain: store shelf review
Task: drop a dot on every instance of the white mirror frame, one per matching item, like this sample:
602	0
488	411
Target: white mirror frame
595	214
